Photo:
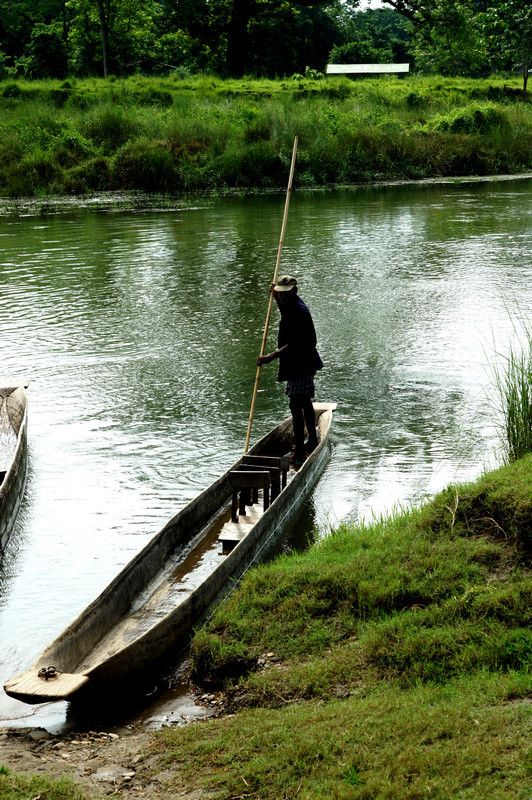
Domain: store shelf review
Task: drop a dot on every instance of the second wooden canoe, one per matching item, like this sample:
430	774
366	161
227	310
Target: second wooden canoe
13	455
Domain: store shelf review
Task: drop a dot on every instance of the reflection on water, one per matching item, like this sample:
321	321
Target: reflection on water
140	332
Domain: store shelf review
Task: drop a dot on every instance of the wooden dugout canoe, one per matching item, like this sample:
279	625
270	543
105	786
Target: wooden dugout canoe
13	437
151	607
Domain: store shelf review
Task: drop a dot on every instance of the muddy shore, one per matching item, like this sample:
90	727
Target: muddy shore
119	759
106	762
100	763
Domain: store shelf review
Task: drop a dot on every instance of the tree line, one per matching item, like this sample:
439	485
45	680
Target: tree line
269	38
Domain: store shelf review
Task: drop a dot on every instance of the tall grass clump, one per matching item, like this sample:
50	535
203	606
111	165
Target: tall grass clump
110	126
475	118
513	382
145	165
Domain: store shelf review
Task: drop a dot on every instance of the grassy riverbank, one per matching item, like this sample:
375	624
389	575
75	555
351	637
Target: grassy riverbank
16	787
202	134
390	661
399	660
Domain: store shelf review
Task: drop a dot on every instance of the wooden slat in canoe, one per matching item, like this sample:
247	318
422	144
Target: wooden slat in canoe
234	532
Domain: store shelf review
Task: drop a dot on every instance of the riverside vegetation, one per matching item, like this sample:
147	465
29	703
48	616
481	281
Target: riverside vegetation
174	135
404	654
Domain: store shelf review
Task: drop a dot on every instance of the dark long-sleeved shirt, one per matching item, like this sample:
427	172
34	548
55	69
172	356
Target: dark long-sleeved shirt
296	329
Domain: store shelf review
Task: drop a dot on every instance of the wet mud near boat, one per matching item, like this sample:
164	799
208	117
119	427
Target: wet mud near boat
109	751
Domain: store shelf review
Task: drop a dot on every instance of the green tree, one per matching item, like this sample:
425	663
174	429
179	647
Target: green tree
373	36
201	30
448	39
288	39
509	28
112	33
359	51
104	18
311	21
46	54
19	21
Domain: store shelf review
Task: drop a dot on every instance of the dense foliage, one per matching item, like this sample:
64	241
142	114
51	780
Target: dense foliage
55	38
174	135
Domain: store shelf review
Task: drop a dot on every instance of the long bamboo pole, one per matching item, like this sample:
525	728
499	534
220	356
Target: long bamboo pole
270	303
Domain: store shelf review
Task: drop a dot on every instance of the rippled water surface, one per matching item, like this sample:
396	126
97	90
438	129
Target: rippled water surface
139	332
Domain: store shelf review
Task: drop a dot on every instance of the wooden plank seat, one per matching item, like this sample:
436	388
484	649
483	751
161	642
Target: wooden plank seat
233	532
281	462
275	479
242	481
247	484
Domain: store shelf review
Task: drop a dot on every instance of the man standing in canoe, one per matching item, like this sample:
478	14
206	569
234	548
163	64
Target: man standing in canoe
298	362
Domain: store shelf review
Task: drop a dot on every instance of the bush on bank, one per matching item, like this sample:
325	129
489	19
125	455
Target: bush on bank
171	135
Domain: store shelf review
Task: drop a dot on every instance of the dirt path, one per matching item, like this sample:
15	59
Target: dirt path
100	763
103	763
122	761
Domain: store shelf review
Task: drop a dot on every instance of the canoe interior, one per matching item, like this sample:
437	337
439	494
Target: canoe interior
13	437
167	588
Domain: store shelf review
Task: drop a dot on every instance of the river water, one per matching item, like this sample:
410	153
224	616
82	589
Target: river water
139	331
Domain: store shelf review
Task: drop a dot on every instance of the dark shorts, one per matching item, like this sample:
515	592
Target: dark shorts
303	384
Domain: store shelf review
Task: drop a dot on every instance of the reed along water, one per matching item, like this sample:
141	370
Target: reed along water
139	331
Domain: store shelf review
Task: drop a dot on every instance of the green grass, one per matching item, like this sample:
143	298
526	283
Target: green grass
403	656
513	397
466	740
200	134
428	594
18	787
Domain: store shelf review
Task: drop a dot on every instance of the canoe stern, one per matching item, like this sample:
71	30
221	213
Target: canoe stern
34	687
